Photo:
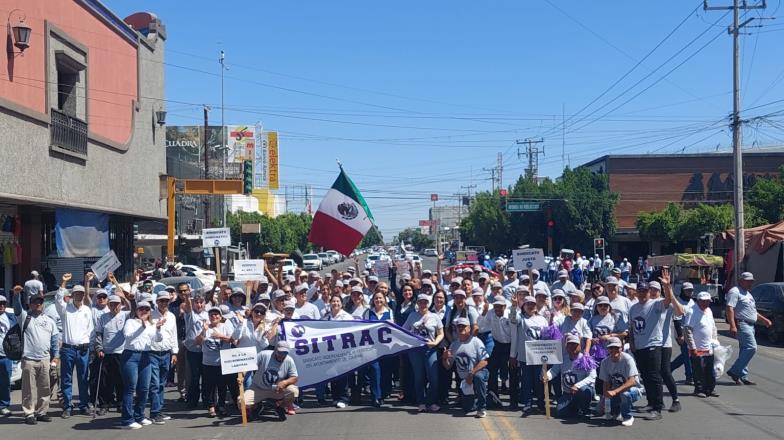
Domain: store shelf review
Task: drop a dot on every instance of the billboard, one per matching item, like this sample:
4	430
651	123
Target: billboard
274	182
260	177
240	143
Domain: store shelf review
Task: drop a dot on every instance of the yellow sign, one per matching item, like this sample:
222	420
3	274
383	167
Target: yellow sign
140	250
274	183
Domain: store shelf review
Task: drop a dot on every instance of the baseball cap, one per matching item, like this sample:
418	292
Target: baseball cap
351	269
143	304
468	270
484	276
642	286
338	283
477	291
357	289
688	285
237	291
558	292
572	339
611	280
631	286
747	276
313	274
101	292
427	272
355	281
224	309
78	288
170	288
654	285
704	296
328	275
511	269
282	347
423	297
525	277
34	273
614	342
577	306
456	280
3	298
616	270
279	294
301	287
563	273
290	278
112	299
260	305
163	296
529	299
521	289
459	292
462	321
215	309
539	292
499	300
427	282
263	280
374	279
264	296
602	300
497	285
290	304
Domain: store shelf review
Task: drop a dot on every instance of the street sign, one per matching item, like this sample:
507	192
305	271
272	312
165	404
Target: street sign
216	237
433	197
248	270
528	259
543	352
522	206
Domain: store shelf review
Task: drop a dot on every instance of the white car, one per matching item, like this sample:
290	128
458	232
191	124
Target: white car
430	253
311	262
205	276
288	266
326	259
371	260
336	256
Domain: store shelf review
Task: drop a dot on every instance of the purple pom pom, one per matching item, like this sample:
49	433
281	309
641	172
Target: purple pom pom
586	363
552	333
598	351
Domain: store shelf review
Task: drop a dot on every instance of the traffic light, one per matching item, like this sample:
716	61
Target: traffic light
503	193
247	177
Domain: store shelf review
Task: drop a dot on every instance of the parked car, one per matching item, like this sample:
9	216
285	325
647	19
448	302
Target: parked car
337	257
311	262
288	266
195	282
205	275
326	259
371	260
770	304
430	252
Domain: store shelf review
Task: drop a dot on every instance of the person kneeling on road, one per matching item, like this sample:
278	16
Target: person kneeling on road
621	387
469	356
275	379
577	380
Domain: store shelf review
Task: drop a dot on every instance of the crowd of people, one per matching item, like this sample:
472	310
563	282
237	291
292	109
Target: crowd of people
123	345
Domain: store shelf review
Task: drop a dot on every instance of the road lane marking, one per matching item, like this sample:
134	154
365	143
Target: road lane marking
492	434
513	435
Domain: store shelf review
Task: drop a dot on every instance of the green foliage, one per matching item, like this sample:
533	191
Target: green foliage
676	223
767	198
285	233
580	203
415	238
372	238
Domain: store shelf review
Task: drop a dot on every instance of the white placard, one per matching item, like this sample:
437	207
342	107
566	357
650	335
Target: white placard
381	267
107	263
528	259
238	360
216	237
248	270
543	352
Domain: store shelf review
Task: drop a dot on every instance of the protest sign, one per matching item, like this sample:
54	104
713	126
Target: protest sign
323	350
216	237
528	259
248	270
543	352
382	268
238	360
107	263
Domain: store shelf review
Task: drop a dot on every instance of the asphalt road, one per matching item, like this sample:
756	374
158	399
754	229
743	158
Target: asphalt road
741	413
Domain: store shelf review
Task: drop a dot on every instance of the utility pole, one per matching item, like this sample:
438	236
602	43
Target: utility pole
532	151
500	166
563	135
737	140
223	133
492	175
206	165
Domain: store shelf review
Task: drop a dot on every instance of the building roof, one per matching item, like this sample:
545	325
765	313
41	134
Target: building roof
775	150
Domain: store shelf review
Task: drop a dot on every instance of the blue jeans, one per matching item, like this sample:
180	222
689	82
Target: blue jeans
6	367
532	385
194	386
248	379
339	388
569	405
70	357
380	377
424	365
160	365
685	360
622	403
747	345
625	276
478	401
487	339
137	372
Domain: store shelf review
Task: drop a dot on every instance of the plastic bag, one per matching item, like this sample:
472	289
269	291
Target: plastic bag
721	354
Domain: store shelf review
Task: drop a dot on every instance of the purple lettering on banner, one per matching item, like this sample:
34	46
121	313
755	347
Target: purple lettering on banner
314	344
365	339
381	332
348	340
328	339
301	346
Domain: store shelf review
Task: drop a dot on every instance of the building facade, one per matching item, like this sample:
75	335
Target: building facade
649	182
83	135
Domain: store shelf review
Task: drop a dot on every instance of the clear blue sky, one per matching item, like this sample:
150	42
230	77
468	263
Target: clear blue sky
416	97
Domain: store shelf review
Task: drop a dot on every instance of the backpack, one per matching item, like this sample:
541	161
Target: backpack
13	343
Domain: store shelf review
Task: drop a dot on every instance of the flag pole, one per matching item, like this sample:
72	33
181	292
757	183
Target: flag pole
340	164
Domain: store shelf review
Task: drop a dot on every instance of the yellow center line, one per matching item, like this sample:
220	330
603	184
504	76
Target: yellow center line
513	434
492	434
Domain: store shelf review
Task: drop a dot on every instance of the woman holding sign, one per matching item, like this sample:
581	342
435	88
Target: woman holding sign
214	337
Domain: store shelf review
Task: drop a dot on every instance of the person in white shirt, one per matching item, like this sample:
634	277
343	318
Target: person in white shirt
109	345
164	356
501	332
78	328
338	386
305	309
700	332
139	333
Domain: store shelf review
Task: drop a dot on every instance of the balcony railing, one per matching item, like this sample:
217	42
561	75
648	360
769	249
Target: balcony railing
68	132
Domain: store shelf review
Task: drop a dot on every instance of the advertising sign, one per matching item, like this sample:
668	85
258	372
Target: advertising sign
241	143
260	164
273	171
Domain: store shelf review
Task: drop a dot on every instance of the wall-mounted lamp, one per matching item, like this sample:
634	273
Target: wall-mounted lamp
21	32
160	117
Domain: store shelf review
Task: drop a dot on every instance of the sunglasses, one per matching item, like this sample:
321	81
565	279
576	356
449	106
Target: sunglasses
603	305
142	309
3	303
183	291
259	312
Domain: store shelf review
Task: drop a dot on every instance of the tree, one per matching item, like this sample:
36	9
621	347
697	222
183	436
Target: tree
767	198
678	224
486	224
286	233
372	238
415	238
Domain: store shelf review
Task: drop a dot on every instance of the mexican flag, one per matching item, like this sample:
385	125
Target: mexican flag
343	218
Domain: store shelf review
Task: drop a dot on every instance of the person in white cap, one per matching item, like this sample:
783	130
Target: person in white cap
357	304
742	316
620	304
109	345
339	385
527	327
699	332
379	372
305	309
460	309
676	310
685	298
423	360
501	332
163	356
33	286
577	382
538	284
214	337
78	328
626	269
469	357
619	374
563	282
510	278
139	333
195	315
275	379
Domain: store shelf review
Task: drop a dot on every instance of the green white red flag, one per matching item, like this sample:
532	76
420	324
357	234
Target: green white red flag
343	218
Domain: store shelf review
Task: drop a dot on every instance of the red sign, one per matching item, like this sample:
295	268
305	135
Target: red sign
550	223
424	223
503	192
433	197
598	243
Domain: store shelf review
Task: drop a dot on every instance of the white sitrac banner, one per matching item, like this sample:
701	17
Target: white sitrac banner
324	350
